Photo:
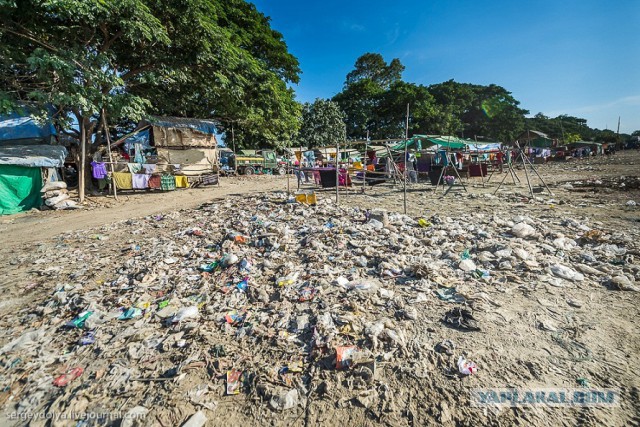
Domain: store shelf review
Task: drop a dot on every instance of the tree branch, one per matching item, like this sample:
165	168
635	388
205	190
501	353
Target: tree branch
39	42
132	73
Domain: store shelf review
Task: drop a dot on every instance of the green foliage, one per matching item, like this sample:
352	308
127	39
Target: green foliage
424	114
375	99
194	58
607	136
359	101
570	138
322	124
564	125
372	67
476	110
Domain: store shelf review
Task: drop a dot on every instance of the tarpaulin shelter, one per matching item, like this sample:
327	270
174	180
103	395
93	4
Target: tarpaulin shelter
26	160
22	129
190	143
595	146
23	170
484	147
419	142
535	139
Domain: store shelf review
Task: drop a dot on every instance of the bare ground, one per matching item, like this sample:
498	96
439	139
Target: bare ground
598	341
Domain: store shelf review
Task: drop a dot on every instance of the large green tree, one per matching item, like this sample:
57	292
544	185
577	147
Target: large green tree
322	124
230	65
79	56
129	58
374	99
561	127
424	115
476	110
364	86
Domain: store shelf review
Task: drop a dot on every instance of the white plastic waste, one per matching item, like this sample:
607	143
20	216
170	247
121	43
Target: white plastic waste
567	273
199	419
466	367
186	313
523	230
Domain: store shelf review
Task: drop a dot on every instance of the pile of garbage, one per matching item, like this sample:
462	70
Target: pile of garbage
56	196
621	183
277	302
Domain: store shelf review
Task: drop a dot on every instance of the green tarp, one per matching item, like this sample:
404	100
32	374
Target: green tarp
541	143
444	142
19	189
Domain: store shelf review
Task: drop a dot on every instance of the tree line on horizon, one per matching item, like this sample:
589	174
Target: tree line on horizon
374	100
124	60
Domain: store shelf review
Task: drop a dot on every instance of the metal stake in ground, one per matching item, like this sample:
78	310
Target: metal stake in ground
536	172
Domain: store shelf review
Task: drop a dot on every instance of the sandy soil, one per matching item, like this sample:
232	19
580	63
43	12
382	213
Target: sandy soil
600	340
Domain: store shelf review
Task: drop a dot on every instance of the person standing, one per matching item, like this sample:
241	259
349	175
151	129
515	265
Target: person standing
500	159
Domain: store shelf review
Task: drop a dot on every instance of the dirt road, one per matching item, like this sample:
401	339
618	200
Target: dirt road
98	210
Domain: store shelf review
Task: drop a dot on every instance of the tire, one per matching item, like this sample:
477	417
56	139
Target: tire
249	171
281	170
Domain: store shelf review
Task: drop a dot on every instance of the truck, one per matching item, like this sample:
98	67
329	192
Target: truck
250	162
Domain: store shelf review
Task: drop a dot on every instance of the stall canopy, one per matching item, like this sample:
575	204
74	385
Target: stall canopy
419	142
484	147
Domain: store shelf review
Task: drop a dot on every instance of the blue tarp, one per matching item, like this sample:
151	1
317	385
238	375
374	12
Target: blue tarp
19	127
33	156
484	147
141	137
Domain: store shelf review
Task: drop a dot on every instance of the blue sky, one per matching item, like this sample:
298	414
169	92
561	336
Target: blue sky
580	58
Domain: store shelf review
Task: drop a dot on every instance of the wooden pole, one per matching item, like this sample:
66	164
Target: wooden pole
337	174
475	137
364	164
299	167
83	160
526	173
288	173
108	136
346	178
233	142
406	150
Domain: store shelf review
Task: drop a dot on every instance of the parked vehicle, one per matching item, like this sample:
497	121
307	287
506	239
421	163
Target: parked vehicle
250	162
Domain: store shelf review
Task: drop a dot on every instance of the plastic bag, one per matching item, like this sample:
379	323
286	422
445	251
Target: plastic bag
466	367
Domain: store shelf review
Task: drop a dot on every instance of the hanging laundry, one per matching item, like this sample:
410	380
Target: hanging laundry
154	181
99	170
149	168
138	157
124	180
167	183
140	181
134	167
181	181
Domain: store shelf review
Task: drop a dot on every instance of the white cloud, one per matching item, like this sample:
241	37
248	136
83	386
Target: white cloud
627	101
353	26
